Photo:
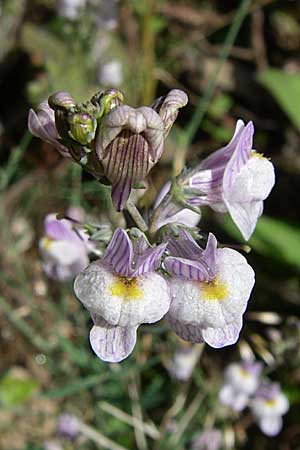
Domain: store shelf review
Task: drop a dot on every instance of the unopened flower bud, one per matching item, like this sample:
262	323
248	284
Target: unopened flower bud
107	100
82	127
61	100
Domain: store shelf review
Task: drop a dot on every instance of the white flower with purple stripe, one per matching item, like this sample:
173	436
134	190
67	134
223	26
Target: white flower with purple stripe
64	250
122	291
268	407
130	142
210	289
235	179
241	381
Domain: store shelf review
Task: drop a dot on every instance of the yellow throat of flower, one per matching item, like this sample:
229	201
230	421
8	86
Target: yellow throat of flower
214	290
271	402
126	288
46	242
244	373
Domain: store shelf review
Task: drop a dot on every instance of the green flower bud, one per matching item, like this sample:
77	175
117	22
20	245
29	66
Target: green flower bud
82	127
107	100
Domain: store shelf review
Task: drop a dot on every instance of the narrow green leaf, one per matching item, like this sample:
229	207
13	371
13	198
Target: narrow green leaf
273	238
285	88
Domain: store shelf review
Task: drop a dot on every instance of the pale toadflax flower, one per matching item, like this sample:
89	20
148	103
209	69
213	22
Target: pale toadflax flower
122	291
208	439
268	407
64	250
235	179
184	362
241	381
68	426
210	289
131	141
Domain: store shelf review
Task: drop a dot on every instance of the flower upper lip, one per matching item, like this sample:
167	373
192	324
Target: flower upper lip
185	253
131	260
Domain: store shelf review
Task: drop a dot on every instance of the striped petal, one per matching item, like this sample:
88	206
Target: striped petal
42	125
129	143
190	261
187	332
112	343
220	157
239	157
132	260
148	259
218	172
191	270
168	106
119	253
209	182
127	163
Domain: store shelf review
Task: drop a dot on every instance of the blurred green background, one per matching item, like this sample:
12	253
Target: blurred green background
235	60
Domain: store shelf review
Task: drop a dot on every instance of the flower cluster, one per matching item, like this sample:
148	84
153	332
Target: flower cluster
203	293
115	142
243	386
167	267
240	382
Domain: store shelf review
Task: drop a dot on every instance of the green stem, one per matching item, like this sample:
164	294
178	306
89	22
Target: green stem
135	214
13	161
76	172
203	104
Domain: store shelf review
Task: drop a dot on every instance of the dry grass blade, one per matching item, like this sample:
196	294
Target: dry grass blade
135	422
186	418
98	438
137	413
